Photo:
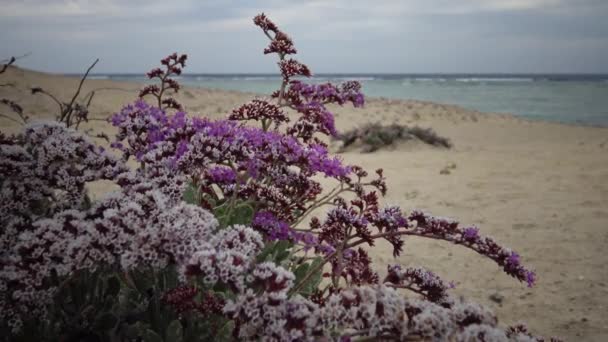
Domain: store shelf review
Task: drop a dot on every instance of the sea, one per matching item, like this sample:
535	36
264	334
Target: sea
566	98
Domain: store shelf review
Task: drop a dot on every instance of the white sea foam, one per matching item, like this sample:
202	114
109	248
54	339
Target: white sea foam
98	77
494	79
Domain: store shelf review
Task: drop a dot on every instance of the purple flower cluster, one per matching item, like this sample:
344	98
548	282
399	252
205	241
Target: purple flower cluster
290	68
420	281
310	99
237	159
265	24
259	110
274	229
183	299
173	65
445	229
221	175
350	91
355	268
281	44
139	126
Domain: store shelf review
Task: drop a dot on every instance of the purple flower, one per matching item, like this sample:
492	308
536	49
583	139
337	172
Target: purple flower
513	260
274	229
182	147
319	161
445	229
470	233
530	278
358	100
222	175
421	281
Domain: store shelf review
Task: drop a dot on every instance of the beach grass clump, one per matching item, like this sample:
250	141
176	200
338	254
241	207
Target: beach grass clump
374	136
223	231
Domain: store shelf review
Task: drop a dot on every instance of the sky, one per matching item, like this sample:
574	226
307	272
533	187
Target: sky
340	36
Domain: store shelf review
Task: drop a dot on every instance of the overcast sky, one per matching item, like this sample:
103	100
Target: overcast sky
392	36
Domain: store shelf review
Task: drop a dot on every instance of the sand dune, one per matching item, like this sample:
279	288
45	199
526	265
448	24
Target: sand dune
539	187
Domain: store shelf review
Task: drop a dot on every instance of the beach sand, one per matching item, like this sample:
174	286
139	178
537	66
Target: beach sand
540	188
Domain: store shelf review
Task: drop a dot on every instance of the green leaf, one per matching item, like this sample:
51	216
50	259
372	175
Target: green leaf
242	215
105	321
282	251
314	281
266	252
174	332
151	336
191	195
275	251
239	214
301	271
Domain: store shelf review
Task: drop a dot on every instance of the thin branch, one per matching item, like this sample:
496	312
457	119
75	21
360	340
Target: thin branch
339	188
10	118
406	287
16	58
16	108
84	77
68	111
5	66
90	99
9	61
37	90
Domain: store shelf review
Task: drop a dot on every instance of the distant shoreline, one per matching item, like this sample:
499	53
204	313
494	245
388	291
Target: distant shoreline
555	77
377	90
578	99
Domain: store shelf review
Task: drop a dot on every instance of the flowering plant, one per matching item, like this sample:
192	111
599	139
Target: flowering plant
223	231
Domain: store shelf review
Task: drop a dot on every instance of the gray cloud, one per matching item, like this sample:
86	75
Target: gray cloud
333	36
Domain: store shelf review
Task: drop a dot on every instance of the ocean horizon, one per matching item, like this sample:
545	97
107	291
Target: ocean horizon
567	98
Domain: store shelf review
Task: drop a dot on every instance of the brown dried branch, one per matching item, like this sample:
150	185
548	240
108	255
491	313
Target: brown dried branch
9	61
67	115
72	113
10	118
15	108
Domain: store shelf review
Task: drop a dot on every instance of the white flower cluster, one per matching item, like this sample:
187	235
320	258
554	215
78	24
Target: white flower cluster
67	160
226	258
173	236
263	310
143	224
240	238
136	228
45	171
367	311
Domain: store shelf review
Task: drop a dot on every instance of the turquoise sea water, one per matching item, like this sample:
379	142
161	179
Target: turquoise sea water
581	99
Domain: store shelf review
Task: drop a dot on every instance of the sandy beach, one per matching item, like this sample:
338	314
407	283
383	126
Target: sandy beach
538	187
